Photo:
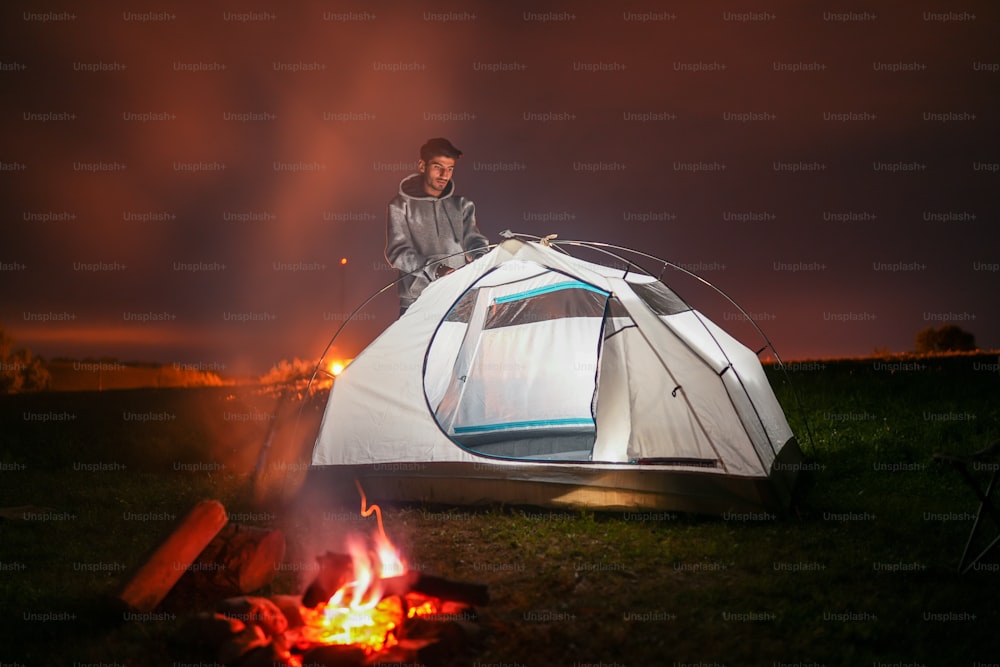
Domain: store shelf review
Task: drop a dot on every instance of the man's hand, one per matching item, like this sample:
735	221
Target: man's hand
442	270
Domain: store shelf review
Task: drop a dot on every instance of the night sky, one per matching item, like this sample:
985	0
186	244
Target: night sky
180	182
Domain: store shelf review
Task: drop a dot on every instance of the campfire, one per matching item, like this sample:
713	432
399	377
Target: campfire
359	612
365	607
385	617
377	603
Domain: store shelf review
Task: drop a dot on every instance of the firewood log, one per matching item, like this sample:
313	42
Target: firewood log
150	583
239	560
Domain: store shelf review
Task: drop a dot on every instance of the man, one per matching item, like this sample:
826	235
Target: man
429	230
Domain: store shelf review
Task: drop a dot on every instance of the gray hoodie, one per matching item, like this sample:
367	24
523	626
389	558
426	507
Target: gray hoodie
421	228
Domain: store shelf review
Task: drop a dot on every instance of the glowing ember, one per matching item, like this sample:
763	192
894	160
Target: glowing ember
369	626
425	607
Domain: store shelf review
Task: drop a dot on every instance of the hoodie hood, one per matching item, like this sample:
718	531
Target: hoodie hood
412	187
424	232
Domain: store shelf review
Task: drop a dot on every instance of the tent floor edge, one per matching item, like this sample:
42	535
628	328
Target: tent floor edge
652	490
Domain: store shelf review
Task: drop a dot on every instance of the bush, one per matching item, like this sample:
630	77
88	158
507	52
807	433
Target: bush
948	338
20	370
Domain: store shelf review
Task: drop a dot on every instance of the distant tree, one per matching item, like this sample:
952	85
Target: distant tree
926	340
946	338
20	370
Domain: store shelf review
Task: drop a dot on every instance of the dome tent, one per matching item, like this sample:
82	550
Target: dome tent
531	377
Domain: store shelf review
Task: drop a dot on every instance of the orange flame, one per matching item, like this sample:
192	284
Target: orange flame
356	613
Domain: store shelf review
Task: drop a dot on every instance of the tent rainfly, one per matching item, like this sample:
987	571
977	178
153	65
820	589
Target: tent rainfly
530	377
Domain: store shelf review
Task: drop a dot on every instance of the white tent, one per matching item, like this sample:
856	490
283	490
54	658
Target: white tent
532	377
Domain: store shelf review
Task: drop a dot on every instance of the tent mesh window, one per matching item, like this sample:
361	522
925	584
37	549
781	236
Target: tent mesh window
524	376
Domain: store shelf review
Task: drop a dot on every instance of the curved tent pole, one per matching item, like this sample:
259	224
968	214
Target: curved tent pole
601	247
596	245
507	234
319	363
607	249
371	298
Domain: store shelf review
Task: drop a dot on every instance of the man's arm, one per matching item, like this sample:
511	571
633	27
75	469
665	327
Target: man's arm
473	241
399	250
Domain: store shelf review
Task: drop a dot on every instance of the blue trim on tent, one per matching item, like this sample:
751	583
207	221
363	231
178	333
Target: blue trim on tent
569	421
574	284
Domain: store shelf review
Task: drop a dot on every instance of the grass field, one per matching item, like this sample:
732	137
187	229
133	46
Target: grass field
862	573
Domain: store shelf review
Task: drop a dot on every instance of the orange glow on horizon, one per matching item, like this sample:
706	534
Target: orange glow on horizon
142	334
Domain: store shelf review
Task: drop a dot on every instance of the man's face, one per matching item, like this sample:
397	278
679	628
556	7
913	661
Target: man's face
437	172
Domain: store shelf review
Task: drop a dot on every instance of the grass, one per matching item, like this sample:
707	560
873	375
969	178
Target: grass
863	573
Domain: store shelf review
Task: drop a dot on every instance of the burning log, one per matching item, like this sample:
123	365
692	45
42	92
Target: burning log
336	570
449	589
334	655
164	567
437	587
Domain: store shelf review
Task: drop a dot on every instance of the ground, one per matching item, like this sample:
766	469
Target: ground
861	572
